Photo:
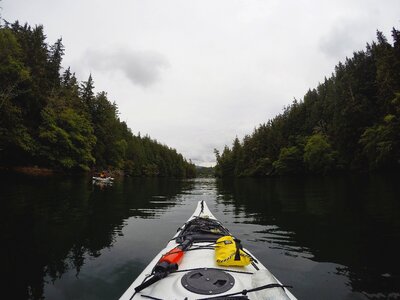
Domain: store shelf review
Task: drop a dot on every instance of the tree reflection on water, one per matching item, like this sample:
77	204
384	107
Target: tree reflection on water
352	222
53	225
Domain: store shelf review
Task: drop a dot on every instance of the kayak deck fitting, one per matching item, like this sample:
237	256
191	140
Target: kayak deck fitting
187	268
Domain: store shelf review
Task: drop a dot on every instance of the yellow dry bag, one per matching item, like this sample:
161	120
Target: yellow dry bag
228	253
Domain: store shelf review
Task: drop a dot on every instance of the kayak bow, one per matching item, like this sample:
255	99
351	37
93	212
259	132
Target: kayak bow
179	272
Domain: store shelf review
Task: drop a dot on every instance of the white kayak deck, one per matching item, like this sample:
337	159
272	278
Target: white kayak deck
103	179
171	286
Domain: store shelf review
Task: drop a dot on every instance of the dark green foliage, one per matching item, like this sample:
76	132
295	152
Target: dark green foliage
290	161
381	142
49	119
66	139
318	154
349	122
55	57
87	95
261	167
14	135
225	163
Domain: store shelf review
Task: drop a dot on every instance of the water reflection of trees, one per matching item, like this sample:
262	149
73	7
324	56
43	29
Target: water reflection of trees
51	226
350	221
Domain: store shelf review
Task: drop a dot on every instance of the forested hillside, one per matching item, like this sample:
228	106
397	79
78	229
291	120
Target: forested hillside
205	172
50	119
350	122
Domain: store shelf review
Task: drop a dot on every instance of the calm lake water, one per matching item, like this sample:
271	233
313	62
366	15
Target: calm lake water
329	238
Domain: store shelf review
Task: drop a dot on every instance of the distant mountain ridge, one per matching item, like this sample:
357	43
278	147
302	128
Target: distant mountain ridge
205	172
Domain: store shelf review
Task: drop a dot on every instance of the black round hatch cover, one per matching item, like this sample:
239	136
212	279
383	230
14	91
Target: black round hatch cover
208	281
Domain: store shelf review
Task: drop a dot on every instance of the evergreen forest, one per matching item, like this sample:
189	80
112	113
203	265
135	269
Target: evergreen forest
350	122
51	120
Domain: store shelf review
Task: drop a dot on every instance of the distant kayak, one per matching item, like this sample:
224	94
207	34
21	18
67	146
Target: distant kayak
103	179
204	261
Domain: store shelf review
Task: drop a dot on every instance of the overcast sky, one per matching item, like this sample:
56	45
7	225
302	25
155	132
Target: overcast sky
195	74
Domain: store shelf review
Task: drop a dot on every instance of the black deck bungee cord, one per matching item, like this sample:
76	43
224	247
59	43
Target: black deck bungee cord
147	276
150	297
244	292
205	268
202	207
194	269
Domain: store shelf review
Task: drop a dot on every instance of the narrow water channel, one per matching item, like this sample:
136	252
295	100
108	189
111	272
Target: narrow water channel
329	238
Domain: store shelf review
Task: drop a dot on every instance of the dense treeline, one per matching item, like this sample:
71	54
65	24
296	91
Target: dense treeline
351	121
49	119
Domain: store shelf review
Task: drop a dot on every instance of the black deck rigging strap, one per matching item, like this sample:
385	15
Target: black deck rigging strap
150	297
244	292
202	207
228	296
238	248
222	297
161	270
202	229
145	278
225	270
147	282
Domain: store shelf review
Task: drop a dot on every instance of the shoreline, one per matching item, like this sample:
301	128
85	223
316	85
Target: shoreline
30	170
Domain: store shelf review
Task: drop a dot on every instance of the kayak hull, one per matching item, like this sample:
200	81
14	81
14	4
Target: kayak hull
103	179
172	286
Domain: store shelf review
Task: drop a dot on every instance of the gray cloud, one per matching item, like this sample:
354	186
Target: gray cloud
337	43
140	67
345	36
